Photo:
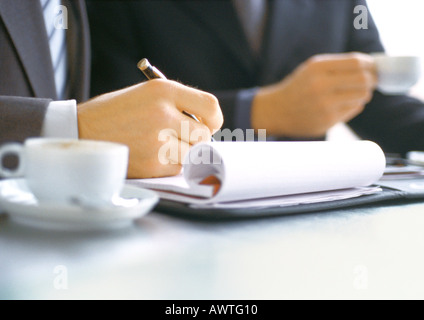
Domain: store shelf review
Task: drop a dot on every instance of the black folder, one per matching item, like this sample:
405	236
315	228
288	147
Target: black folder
394	192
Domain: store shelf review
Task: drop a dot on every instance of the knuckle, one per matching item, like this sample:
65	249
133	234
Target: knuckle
163	116
313	63
214	109
211	100
356	57
313	59
156	85
219	118
161	111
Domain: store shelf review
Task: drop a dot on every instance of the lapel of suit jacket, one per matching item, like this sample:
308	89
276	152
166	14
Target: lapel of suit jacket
227	28
25	24
282	34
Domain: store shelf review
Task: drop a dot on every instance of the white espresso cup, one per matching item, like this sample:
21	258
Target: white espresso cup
68	170
396	74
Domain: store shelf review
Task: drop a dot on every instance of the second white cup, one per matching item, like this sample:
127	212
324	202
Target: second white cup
396	74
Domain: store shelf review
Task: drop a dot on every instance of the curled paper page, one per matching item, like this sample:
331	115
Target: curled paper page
221	172
250	170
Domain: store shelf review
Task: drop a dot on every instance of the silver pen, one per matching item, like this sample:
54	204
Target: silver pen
152	72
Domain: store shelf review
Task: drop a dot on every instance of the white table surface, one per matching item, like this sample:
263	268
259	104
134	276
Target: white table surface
361	253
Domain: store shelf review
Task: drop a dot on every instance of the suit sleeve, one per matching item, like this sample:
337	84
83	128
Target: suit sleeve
21	118
396	123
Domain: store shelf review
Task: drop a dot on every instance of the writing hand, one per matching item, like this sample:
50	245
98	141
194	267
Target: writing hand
136	116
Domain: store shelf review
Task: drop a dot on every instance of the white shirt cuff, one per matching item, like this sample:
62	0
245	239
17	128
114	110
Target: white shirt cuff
61	120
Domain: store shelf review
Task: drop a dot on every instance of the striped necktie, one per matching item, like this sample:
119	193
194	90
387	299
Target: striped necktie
252	15
57	42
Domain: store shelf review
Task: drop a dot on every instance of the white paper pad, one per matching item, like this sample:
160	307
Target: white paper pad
262	173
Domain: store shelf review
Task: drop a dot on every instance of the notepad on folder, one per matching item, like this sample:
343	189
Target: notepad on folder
245	175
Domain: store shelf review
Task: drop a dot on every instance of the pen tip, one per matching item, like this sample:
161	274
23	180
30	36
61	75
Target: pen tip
143	64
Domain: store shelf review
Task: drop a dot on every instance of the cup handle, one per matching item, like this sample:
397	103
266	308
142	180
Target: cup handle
14	149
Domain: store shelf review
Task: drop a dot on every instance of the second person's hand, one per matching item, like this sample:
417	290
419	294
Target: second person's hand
324	90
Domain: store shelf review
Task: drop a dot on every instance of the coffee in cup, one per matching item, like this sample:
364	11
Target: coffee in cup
396	74
62	170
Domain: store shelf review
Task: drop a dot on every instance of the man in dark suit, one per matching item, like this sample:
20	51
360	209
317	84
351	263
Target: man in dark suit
306	75
133	116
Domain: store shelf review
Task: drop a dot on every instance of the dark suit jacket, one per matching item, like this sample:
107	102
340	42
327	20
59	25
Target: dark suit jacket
201	43
26	72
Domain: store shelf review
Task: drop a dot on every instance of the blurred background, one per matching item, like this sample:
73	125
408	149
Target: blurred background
400	24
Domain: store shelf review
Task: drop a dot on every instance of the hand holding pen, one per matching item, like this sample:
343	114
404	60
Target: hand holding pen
148	118
151	73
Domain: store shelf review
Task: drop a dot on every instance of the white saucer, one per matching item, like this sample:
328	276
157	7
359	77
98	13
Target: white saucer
21	205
